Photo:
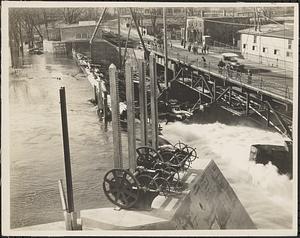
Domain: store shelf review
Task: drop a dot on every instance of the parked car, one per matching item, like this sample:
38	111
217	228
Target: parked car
35	51
232	61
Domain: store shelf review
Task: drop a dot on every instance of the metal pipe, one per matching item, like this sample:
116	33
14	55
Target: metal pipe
68	172
139	33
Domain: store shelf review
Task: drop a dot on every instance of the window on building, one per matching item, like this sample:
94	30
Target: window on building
84	35
253	47
78	36
254	39
276	52
244	46
177	10
265	50
289	54
169	10
289	44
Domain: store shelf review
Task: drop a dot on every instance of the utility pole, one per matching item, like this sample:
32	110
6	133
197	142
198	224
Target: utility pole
185	26
119	39
166	52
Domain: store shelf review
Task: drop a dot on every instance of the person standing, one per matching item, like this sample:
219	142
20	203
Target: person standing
249	76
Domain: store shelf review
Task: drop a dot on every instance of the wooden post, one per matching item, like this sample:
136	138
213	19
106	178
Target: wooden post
105	107
100	99
247	104
154	107
143	103
95	94
115	114
165	52
130	116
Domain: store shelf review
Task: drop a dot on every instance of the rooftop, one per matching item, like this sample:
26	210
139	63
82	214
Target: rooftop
80	24
272	30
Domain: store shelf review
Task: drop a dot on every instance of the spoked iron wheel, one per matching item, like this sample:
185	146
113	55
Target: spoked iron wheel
147	183
147	155
187	150
163	186
121	188
169	157
173	178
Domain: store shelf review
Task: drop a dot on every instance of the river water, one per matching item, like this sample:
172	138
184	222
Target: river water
36	154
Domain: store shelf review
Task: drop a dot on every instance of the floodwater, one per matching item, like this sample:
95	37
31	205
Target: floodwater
36	152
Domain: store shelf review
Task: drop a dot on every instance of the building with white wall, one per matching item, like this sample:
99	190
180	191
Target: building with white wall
272	45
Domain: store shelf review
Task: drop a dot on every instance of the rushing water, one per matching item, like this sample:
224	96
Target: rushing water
36	154
266	195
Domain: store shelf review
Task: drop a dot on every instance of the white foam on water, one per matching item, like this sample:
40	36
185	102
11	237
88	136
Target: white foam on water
266	195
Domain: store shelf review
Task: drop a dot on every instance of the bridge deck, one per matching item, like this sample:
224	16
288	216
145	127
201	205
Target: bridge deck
270	84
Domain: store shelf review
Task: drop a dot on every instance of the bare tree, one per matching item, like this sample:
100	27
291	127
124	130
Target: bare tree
154	13
71	15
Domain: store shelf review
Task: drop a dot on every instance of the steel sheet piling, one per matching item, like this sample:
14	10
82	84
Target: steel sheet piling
114	94
130	116
154	107
143	103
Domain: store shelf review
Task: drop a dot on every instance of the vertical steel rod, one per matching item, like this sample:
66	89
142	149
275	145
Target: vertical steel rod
68	172
115	114
143	103
130	116
165	52
154	107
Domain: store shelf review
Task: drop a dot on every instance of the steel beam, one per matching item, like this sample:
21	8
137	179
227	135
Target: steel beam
97	26
154	107
139	33
223	93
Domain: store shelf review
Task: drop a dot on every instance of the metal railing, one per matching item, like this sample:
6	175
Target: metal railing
255	80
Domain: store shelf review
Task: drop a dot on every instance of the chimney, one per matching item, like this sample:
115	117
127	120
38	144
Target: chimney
202	13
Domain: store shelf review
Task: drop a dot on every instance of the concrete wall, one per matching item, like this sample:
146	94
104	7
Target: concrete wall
280	60
79	33
105	53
